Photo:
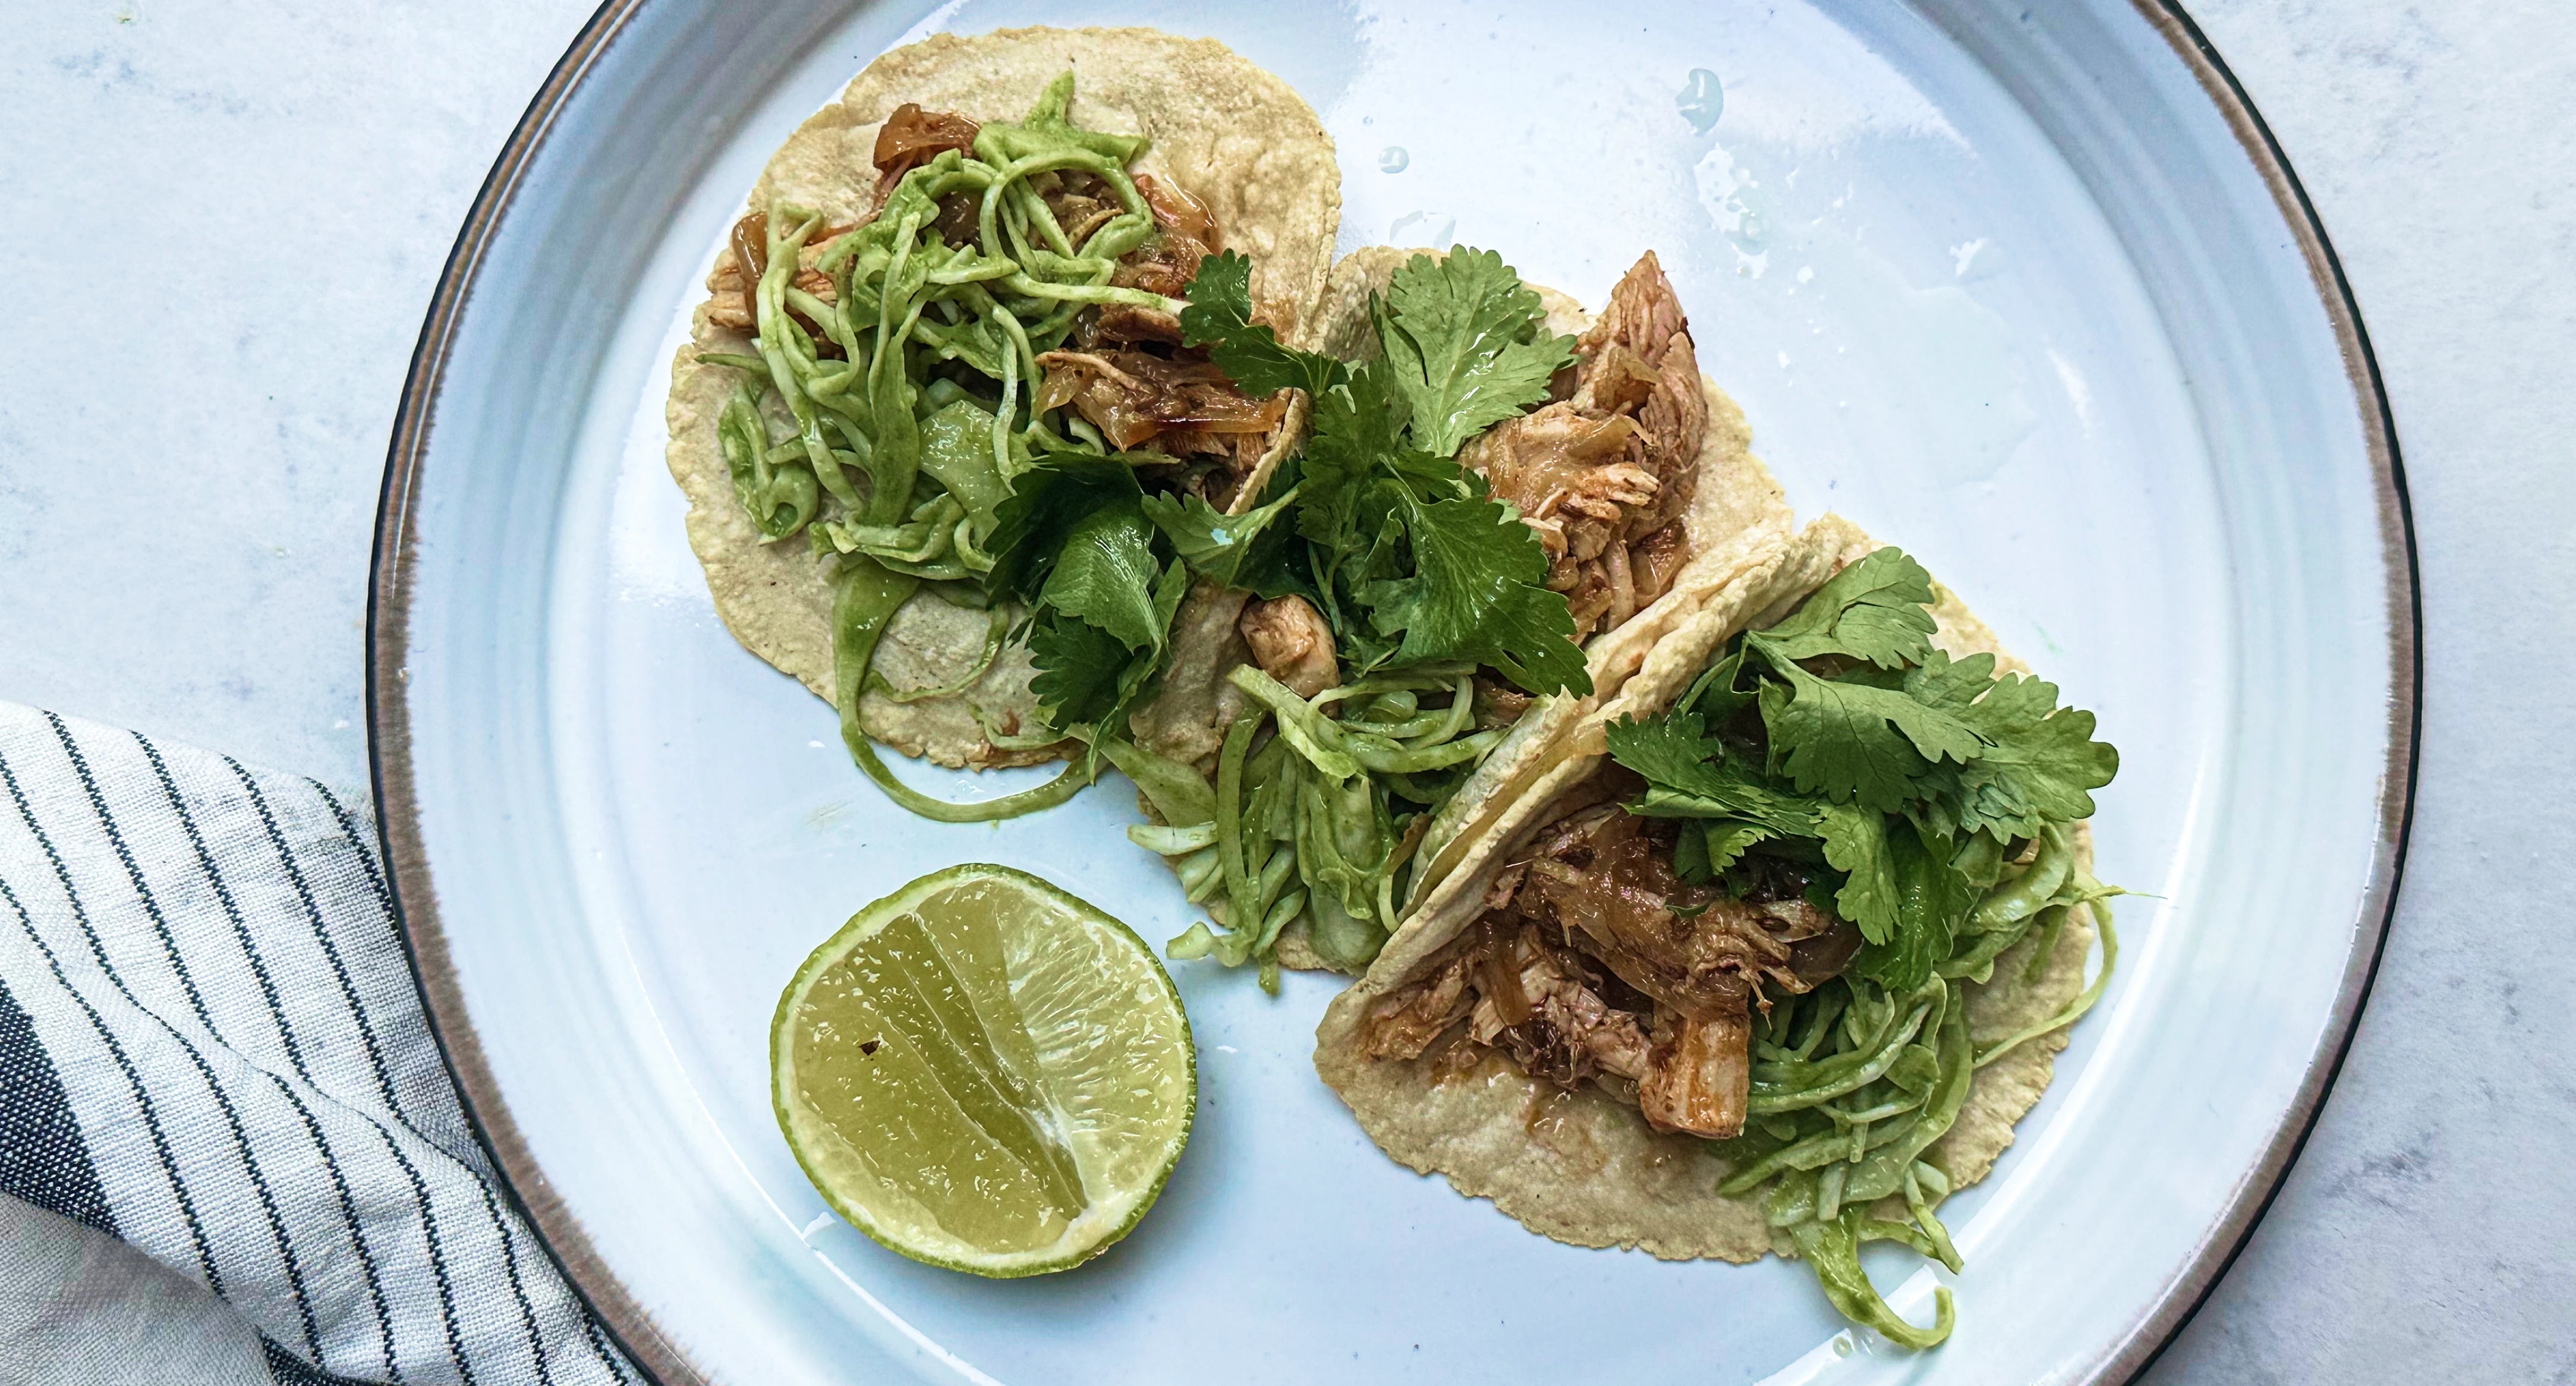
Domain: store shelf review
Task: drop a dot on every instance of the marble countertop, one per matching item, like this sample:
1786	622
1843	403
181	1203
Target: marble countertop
222	229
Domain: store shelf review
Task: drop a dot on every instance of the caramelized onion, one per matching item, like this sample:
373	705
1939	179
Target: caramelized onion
1133	396
912	137
1654	561
1179	213
751	247
736	287
1499	973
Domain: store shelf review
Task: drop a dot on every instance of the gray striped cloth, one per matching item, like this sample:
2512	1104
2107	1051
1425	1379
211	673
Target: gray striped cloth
211	1046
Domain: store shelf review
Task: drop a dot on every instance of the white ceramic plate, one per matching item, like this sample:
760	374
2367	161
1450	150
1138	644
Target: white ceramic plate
2025	290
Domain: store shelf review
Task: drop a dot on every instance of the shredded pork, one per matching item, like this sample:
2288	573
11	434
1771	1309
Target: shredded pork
1594	963
1126	371
1135	397
1604	473
746	258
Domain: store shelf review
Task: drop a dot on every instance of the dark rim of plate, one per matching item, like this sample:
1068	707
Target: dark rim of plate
565	1241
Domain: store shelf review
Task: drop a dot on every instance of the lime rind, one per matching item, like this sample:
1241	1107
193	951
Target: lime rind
888	1214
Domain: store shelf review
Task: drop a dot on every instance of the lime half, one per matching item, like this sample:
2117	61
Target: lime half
982	1072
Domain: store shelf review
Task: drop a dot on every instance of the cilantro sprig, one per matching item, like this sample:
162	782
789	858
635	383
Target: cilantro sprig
1075	543
1913	775
1411	560
1468	344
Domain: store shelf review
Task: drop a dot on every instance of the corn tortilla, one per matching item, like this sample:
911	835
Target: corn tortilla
1739	523
1223	130
1581	1167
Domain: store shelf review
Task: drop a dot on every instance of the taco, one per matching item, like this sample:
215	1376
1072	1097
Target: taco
1773	951
1612	487
1021	213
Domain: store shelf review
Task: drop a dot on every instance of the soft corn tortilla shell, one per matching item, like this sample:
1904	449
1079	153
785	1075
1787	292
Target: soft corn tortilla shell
1739	525
1223	130
1583	1168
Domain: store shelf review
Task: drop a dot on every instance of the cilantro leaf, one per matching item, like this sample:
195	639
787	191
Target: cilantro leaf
1672	750
1780	815
1687	777
2040	765
1356	428
1079	667
1467	340
1167	598
1951	685
1723	842
1144	673
1719	693
1031	524
1873	610
1858	744
1219	317
1479	593
1856	843
1932	901
1690	857
1243	550
1089	676
1105	575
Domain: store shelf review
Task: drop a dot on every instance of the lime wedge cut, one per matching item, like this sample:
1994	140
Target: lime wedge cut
982	1072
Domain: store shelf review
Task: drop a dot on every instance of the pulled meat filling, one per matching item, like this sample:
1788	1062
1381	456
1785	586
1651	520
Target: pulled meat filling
1134	397
737	275
1126	371
1604	473
1594	963
1292	643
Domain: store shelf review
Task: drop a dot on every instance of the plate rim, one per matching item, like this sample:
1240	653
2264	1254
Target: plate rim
524	1183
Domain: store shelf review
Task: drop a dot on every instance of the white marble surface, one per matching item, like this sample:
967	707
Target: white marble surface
221	229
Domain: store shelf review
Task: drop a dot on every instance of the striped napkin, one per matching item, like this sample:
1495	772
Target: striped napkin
211	1047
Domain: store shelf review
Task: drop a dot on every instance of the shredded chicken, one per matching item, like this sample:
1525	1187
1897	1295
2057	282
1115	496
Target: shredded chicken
1700	1076
1405	1024
1126	370
1604	473
1600	874
738	272
1594	962
1557	1026
1515	992
1185	405
1291	643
